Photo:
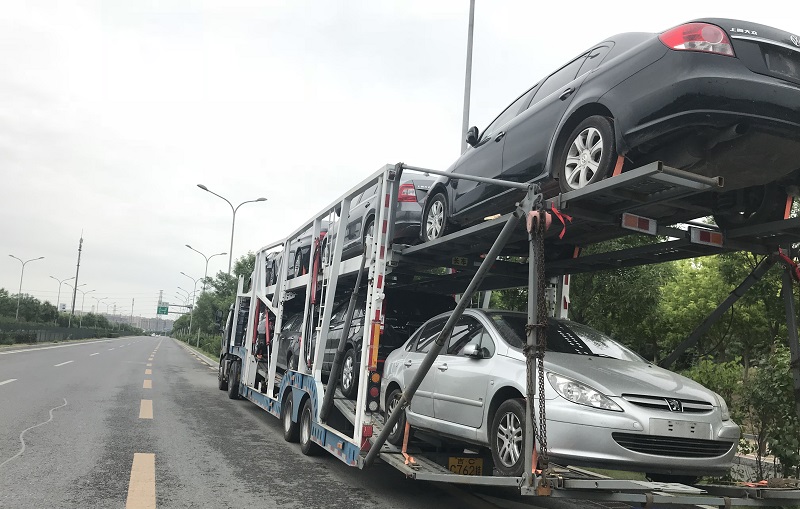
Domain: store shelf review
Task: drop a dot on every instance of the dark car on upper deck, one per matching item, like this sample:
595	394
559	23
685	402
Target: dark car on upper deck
715	97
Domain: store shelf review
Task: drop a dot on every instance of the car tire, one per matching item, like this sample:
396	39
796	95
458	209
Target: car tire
398	432
588	154
233	381
221	380
297	266
307	447
348	380
753	205
435	221
369	231
291	429
507	438
688	480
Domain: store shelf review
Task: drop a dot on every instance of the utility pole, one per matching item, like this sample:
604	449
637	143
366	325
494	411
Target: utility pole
75	288
468	77
132	301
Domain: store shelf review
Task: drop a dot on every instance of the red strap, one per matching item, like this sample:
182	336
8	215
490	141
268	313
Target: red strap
790	264
534	216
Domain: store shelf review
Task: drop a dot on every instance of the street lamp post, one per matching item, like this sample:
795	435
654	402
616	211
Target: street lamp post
83	297
22	273
58	299
205	274
233	222
191	314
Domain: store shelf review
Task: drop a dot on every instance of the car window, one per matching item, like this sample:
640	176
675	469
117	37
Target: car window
508	114
563	337
559	78
429	334
594	59
469	331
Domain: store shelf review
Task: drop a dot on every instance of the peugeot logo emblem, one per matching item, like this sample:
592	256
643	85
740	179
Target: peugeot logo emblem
674	405
795	40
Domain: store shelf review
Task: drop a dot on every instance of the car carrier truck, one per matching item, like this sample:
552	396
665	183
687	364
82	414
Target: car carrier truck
503	252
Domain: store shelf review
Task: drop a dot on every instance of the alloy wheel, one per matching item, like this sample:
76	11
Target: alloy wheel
435	220
583	158
347	373
509	439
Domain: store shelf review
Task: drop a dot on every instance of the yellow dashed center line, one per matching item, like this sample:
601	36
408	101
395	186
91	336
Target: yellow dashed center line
142	486
148	384
146	409
149	364
148	371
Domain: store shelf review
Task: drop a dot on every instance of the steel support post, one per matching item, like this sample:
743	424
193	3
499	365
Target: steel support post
533	319
791	327
436	347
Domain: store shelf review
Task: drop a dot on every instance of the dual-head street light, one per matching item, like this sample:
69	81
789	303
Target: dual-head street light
60	282
233	223
22	273
205	274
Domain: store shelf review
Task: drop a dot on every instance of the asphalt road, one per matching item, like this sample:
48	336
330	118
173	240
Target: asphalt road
76	431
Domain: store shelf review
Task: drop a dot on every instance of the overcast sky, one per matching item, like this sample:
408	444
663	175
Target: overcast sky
112	111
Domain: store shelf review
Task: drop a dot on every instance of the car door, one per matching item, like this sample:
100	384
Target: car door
531	133
289	328
485	159
422	403
461	383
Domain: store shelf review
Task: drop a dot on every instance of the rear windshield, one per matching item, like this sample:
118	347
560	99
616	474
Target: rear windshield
563	337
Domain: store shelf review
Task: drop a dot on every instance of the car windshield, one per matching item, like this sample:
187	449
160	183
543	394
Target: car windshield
563	337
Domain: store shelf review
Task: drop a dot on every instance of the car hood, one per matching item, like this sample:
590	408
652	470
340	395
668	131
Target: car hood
615	377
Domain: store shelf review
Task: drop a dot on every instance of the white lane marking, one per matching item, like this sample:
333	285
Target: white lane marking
36	349
57	365
96	353
8	381
21	435
110	349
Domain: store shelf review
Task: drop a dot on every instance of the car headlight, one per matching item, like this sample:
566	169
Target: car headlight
723	408
581	394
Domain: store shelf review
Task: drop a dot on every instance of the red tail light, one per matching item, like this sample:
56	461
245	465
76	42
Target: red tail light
407	193
698	37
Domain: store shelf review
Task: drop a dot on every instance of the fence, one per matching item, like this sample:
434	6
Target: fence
21	333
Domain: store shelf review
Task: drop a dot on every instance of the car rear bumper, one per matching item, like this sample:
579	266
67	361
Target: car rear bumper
712	115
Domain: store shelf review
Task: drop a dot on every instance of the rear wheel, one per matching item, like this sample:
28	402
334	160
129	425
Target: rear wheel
307	447
349	377
434	224
588	155
506	438
753	205
233	381
398	431
291	430
221	380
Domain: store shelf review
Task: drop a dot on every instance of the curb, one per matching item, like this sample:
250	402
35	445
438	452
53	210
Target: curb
202	356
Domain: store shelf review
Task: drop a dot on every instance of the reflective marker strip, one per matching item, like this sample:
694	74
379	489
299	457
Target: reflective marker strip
146	409
57	365
142	486
8	381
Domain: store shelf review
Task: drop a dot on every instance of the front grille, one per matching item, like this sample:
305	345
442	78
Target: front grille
672	446
687	406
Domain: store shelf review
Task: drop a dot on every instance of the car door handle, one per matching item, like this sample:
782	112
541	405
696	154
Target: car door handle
443	367
499	136
407	363
366	205
566	93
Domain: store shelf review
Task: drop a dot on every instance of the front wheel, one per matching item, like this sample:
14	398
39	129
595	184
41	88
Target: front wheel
588	155
434	224
506	438
349	377
307	447
221	380
398	431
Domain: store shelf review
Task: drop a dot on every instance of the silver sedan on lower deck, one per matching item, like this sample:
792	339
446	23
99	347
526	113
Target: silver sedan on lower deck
605	405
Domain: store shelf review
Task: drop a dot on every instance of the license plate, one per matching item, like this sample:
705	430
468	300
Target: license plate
682	429
465	466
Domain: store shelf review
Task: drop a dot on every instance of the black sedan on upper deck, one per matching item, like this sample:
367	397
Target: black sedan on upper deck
714	97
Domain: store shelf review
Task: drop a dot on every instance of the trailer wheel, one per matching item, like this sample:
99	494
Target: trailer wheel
349	377
233	381
398	432
506	438
291	430
307	447
222	381
588	155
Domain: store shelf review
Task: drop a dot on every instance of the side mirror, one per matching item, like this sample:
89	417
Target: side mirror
473	351
472	136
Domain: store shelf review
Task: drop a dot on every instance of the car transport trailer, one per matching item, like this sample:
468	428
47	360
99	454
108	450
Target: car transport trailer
645	200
